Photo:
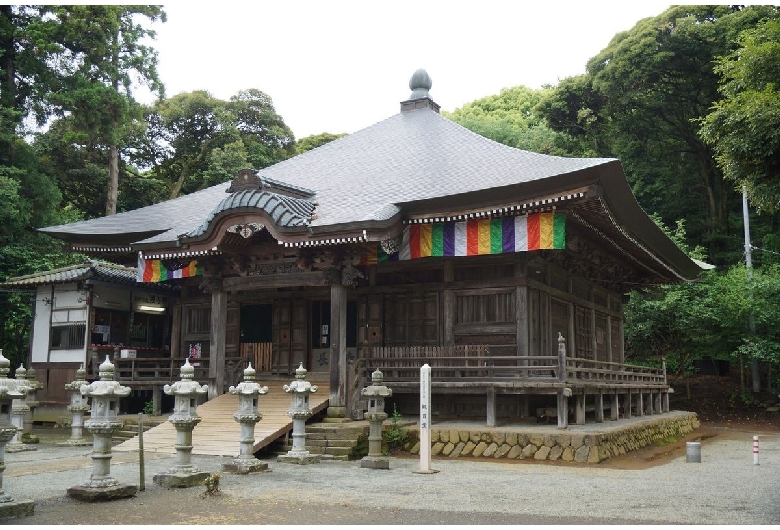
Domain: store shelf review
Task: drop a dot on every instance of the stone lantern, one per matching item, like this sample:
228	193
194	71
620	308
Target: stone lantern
79	405
184	418
31	400
19	410
299	412
376	394
103	422
247	415
10	391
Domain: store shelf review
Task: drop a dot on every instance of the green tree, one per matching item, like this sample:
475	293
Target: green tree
743	127
189	127
509	118
640	101
307	143
108	61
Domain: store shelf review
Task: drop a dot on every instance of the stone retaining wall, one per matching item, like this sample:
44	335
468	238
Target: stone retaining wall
570	446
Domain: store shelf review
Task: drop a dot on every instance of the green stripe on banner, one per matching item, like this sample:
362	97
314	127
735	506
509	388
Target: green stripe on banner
559	231
496	231
437	239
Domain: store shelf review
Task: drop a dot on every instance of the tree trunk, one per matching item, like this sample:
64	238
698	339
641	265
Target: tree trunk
113	179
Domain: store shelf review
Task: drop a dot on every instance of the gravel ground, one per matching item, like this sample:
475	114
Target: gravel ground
724	488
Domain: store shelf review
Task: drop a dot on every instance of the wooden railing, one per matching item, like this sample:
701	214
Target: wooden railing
473	363
159	370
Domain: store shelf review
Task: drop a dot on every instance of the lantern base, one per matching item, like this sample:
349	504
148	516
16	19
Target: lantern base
14	508
375	462
180	480
107	493
244	466
299	457
18	447
74	442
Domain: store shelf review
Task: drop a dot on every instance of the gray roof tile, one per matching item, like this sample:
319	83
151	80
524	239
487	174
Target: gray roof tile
359	178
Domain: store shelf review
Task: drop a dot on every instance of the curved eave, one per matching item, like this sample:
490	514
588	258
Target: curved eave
637	224
108	240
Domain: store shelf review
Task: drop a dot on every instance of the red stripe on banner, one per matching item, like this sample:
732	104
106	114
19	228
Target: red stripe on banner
148	270
533	231
472	237
414	241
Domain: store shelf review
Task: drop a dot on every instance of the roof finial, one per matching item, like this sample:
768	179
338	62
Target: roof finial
420	84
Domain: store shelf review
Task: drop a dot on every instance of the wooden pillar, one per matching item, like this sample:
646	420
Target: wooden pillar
666	401
599	397
640	404
658	402
579	411
491	407
614	407
523	406
176	328
156	400
337	408
522	336
563	393
563	407
627	404
651	402
217	342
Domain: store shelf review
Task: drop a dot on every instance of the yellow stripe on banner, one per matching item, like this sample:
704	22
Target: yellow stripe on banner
426	241
484	236
546	230
156	266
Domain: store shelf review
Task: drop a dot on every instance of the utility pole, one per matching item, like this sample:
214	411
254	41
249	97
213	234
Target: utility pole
749	264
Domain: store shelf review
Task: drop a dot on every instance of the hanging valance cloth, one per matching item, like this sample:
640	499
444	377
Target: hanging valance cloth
476	237
157	270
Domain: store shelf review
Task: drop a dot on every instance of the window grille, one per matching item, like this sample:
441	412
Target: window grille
69	336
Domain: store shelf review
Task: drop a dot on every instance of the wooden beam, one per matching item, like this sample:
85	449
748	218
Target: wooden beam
270	281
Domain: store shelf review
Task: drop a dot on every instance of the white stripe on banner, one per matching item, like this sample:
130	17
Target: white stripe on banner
521	233
460	239
404	252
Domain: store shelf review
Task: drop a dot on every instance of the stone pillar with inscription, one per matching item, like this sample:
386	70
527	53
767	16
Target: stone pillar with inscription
184	418
10	391
102	424
19	410
247	416
376	394
79	405
299	412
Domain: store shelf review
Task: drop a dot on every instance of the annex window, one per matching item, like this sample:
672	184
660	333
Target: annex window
68	336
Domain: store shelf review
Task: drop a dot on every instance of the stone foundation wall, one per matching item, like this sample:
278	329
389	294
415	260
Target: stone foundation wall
567	445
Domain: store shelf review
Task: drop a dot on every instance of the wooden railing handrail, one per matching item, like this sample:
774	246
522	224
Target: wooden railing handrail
473	362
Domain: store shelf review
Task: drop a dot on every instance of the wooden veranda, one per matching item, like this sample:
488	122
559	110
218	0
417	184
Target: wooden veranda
471	369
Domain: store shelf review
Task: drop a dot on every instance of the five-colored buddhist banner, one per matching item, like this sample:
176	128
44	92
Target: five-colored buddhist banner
476	237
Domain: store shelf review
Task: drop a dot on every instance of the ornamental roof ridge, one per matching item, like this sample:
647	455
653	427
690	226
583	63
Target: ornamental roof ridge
284	211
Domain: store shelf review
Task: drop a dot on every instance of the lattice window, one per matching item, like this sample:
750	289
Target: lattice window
68	336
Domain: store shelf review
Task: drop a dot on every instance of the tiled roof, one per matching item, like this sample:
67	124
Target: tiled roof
359	178
91	270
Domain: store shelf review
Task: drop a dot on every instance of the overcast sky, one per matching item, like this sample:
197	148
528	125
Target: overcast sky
339	66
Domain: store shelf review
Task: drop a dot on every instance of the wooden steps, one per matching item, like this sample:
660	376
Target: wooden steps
218	434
